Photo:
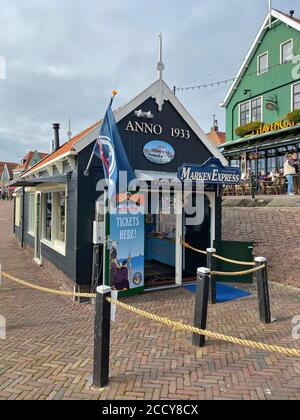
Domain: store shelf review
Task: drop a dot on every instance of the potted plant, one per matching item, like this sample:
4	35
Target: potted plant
247	129
294	116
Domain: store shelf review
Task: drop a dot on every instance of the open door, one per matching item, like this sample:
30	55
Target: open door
199	237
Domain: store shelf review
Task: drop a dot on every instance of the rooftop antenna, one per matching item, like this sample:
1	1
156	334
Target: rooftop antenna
160	64
69	133
270	13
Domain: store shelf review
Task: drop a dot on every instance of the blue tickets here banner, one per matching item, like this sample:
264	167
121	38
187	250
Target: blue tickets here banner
127	238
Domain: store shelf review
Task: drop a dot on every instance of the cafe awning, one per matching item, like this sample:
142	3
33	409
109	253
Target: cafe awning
259	143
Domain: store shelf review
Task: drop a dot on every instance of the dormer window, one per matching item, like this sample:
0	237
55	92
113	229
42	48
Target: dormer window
263	63
286	52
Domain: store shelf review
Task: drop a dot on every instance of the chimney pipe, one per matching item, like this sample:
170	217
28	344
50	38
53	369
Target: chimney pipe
56	128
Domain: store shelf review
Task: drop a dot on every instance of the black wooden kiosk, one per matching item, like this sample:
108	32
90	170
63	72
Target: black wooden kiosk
56	222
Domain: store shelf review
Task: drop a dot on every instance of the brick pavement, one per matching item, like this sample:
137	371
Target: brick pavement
48	350
275	233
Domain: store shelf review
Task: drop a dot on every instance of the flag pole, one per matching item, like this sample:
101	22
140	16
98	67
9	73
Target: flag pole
105	245
86	172
270	13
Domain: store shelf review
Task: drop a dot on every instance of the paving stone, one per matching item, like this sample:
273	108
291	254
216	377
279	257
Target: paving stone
48	353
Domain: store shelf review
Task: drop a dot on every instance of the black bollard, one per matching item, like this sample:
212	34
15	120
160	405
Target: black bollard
263	291
201	305
102	337
213	283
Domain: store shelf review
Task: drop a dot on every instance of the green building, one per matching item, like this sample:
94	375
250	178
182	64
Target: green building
263	103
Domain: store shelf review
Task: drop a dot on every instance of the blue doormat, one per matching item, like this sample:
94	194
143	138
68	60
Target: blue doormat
224	293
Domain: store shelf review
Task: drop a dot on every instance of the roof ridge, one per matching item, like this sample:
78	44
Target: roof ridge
287	15
277	14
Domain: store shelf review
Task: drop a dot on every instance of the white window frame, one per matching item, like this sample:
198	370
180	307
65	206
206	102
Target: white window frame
31	213
281	48
292	95
250	108
54	244
259	73
18	210
240	105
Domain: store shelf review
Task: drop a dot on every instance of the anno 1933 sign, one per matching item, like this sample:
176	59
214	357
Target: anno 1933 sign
211	172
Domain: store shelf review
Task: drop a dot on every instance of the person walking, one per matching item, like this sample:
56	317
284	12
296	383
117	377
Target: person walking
290	172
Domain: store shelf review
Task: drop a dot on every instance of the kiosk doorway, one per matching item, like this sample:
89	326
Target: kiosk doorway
167	263
160	242
199	237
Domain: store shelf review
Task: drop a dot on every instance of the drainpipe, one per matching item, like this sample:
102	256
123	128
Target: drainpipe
23	218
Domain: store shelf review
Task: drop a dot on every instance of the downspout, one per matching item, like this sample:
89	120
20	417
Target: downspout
23	218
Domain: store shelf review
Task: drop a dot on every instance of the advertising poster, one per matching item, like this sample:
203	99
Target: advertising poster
127	235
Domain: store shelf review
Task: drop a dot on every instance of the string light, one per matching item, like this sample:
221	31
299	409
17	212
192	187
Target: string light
221	82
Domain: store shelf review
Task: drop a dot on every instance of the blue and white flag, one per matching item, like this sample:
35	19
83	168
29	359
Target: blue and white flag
110	149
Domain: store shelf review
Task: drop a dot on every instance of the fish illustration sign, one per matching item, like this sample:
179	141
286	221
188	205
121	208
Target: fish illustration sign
211	172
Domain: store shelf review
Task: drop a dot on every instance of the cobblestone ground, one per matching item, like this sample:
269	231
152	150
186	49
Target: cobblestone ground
47	353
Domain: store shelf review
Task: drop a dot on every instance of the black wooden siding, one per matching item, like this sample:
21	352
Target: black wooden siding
187	151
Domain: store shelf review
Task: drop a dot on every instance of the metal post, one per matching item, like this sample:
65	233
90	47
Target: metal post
201	305
213	283
263	291
253	186
102	337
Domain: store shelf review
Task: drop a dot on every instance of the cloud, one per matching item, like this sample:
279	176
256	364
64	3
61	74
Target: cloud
64	57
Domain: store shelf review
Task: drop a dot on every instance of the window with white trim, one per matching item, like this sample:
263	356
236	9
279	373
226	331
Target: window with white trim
245	113
60	203
296	96
18	210
31	206
48	216
54	211
286	52
251	111
263	63
256	110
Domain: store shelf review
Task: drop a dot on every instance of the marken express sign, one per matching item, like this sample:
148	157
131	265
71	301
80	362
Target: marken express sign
211	172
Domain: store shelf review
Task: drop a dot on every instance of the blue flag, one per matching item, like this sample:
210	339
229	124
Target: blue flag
110	149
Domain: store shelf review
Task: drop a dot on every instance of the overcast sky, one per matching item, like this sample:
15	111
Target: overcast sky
65	56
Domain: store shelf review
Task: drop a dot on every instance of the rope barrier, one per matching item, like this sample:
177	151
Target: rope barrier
165	321
199	251
48	290
218	257
220	337
237	273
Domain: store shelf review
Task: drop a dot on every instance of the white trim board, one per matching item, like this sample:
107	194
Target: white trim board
264	27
